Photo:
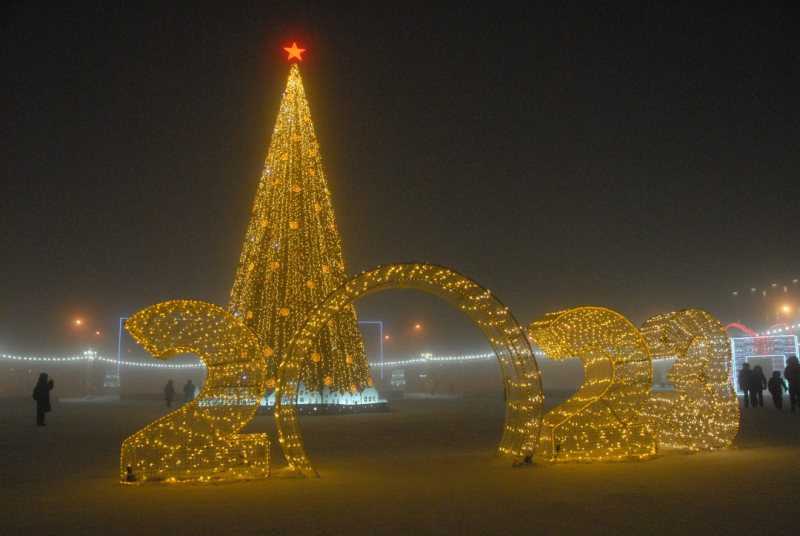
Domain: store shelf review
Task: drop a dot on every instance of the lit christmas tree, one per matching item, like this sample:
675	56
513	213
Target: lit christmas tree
292	256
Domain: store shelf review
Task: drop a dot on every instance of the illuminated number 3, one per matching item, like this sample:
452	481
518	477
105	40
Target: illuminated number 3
704	412
599	421
199	441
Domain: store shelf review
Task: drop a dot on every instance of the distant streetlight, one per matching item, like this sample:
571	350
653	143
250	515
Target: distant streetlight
786	309
81	332
417	326
386	337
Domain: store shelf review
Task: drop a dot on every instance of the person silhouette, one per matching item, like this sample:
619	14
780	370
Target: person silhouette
745	381
188	392
758	386
792	375
169	392
776	386
41	393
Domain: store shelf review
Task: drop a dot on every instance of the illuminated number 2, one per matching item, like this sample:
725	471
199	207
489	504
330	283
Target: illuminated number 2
703	413
599	420
199	441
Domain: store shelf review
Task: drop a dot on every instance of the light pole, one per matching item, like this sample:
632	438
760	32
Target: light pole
119	347
89	360
428	381
79	326
360	322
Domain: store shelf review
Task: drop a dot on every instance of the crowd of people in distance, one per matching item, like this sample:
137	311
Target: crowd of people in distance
41	394
753	382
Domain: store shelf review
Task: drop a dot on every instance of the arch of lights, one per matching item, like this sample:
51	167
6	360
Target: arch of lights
200	440
525	400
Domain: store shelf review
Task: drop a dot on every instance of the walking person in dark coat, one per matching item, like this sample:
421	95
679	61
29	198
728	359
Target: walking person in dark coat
792	375
169	393
41	393
759	384
776	387
745	381
188	392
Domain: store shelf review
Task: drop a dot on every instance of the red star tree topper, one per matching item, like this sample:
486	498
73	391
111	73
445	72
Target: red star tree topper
294	52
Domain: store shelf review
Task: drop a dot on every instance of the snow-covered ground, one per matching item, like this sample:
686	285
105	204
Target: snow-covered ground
427	467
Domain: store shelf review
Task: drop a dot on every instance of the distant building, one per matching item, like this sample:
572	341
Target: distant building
398	378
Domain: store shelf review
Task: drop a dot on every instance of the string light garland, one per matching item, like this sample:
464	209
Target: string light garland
97	358
292	255
703	413
525	400
741	327
598	422
51	359
435	359
779	328
314	357
200	440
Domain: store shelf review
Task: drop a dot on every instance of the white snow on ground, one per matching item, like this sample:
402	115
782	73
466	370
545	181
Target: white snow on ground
427	467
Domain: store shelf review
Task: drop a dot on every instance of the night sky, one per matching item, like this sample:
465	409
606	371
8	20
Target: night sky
642	157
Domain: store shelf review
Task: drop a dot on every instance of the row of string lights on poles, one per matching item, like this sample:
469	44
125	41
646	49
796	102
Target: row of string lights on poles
91	355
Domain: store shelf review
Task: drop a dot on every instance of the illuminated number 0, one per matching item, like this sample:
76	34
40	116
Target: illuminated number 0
199	441
599	420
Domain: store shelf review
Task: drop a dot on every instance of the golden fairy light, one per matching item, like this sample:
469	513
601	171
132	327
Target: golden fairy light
523	384
292	255
703	413
598	422
200	440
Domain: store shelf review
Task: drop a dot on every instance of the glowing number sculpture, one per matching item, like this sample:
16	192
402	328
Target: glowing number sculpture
598	421
704	412
199	441
523	384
